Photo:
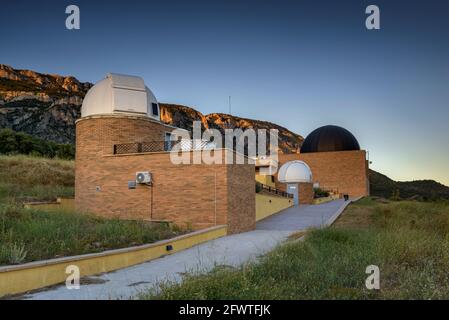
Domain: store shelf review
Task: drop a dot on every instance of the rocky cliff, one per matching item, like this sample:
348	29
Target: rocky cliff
42	105
47	106
182	116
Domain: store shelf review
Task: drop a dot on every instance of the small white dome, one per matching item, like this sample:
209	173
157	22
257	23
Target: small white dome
119	93
295	172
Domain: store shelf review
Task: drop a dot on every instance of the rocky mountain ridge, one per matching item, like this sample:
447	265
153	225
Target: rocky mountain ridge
183	117
43	105
47	106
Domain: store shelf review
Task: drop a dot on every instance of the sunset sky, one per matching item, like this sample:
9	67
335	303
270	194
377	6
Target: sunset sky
300	64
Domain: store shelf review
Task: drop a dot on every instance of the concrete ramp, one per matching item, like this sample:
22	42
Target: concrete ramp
232	250
302	217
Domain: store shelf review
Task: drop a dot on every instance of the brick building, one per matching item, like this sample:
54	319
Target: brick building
337	163
119	134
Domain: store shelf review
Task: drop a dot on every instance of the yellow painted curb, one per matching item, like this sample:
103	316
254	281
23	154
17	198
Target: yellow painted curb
267	205
34	275
325	199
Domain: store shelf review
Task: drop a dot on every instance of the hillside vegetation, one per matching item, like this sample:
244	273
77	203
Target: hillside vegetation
34	178
408	241
424	190
29	235
12	142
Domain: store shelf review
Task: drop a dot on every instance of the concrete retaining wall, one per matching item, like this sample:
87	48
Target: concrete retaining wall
29	276
326	199
266	205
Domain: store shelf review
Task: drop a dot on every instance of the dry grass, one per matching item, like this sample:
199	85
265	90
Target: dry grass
409	241
358	215
29	235
34	178
31	171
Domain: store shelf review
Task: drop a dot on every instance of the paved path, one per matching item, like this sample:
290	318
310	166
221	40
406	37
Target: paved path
302	217
230	250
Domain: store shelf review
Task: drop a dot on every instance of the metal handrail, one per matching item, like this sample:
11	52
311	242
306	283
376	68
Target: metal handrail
139	147
158	146
275	191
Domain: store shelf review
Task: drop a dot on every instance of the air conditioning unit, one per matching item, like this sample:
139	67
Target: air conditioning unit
143	177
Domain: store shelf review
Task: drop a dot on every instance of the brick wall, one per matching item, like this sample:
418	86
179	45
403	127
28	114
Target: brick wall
241	202
306	193
199	195
96	135
346	171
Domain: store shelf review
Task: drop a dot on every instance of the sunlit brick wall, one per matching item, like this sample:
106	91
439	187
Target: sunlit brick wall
346	171
198	195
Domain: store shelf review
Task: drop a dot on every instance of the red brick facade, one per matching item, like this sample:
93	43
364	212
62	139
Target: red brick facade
306	193
345	171
199	195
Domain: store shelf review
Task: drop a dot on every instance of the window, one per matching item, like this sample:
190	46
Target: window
167	141
155	109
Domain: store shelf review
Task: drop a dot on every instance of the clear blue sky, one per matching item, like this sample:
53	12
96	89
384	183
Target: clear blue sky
300	64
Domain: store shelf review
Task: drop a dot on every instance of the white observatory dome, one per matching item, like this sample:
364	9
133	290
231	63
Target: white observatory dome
119	93
295	172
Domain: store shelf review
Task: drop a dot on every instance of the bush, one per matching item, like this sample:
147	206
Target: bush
258	187
319	193
12	253
12	142
65	151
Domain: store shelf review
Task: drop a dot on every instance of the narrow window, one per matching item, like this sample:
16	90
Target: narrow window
155	109
167	141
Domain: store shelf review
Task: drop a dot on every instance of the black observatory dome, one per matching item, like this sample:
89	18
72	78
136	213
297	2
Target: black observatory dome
330	138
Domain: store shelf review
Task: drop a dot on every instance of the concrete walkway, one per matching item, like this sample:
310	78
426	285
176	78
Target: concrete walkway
232	250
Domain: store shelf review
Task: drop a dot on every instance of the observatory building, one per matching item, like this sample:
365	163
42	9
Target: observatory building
330	139
336	160
123	167
293	173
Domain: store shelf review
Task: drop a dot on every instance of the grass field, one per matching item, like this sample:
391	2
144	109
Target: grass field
33	178
409	241
29	235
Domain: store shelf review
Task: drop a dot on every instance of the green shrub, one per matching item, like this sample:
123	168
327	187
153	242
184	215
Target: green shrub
319	193
258	187
12	253
12	142
396	195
